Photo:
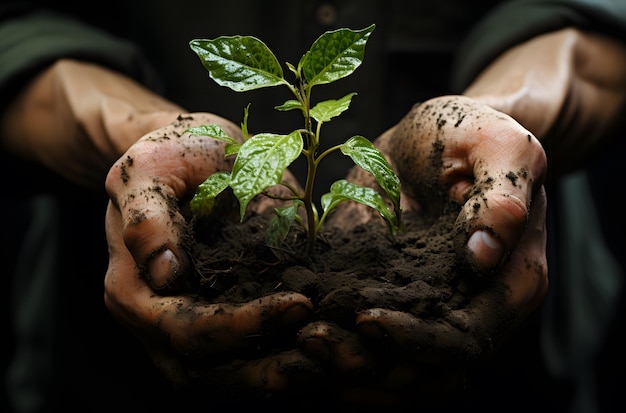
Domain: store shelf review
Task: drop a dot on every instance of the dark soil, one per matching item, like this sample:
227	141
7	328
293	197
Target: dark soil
416	271
362	267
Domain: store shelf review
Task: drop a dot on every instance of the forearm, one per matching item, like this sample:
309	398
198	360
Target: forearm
567	87
77	118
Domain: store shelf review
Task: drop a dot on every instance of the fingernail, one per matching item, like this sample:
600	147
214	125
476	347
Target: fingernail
486	249
163	269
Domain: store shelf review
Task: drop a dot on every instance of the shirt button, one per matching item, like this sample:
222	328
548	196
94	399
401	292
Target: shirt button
326	14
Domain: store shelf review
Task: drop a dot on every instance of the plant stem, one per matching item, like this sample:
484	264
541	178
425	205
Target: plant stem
308	201
313	142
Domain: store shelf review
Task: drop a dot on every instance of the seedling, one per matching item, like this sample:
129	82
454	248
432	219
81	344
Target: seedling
245	63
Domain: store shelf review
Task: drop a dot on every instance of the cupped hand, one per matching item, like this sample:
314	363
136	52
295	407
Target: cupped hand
451	148
189	340
454	147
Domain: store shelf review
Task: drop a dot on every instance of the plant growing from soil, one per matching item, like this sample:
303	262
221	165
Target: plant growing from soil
356	268
245	63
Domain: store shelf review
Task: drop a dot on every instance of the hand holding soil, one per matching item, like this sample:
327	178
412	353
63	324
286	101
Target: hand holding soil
449	148
148	237
413	311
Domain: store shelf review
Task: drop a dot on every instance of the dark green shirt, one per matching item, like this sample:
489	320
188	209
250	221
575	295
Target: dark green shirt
74	356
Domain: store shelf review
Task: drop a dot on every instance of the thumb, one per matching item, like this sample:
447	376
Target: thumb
454	147
508	165
146	185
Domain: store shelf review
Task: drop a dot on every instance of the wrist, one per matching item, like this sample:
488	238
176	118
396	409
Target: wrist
77	118
567	87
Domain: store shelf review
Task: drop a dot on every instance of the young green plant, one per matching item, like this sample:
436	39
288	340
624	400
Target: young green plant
245	63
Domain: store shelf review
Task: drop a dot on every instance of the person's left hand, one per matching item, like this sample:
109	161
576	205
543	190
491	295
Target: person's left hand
450	148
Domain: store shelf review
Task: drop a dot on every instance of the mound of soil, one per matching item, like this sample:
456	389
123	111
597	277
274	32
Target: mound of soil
416	271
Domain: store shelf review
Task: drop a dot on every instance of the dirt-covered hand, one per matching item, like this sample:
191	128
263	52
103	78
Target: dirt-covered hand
456	148
189	340
393	357
453	148
149	185
194	343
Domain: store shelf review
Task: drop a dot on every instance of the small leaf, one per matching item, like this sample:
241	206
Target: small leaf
335	55
343	190
232	149
289	105
292	68
244	123
328	109
212	131
261	161
368	157
204	199
239	62
280	224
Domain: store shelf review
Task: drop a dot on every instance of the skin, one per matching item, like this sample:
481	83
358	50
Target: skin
77	119
574	98
505	237
140	229
485	143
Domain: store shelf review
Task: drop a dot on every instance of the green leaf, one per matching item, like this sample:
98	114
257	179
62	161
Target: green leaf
279	225
292	68
212	131
232	149
335	55
343	190
328	109
289	105
204	199
261	161
239	62
216	132
368	157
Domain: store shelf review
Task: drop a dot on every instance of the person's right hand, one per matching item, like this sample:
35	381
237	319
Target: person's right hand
189	340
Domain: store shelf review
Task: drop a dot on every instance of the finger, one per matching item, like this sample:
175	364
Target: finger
121	278
328	342
148	182
206	329
509	169
422	341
